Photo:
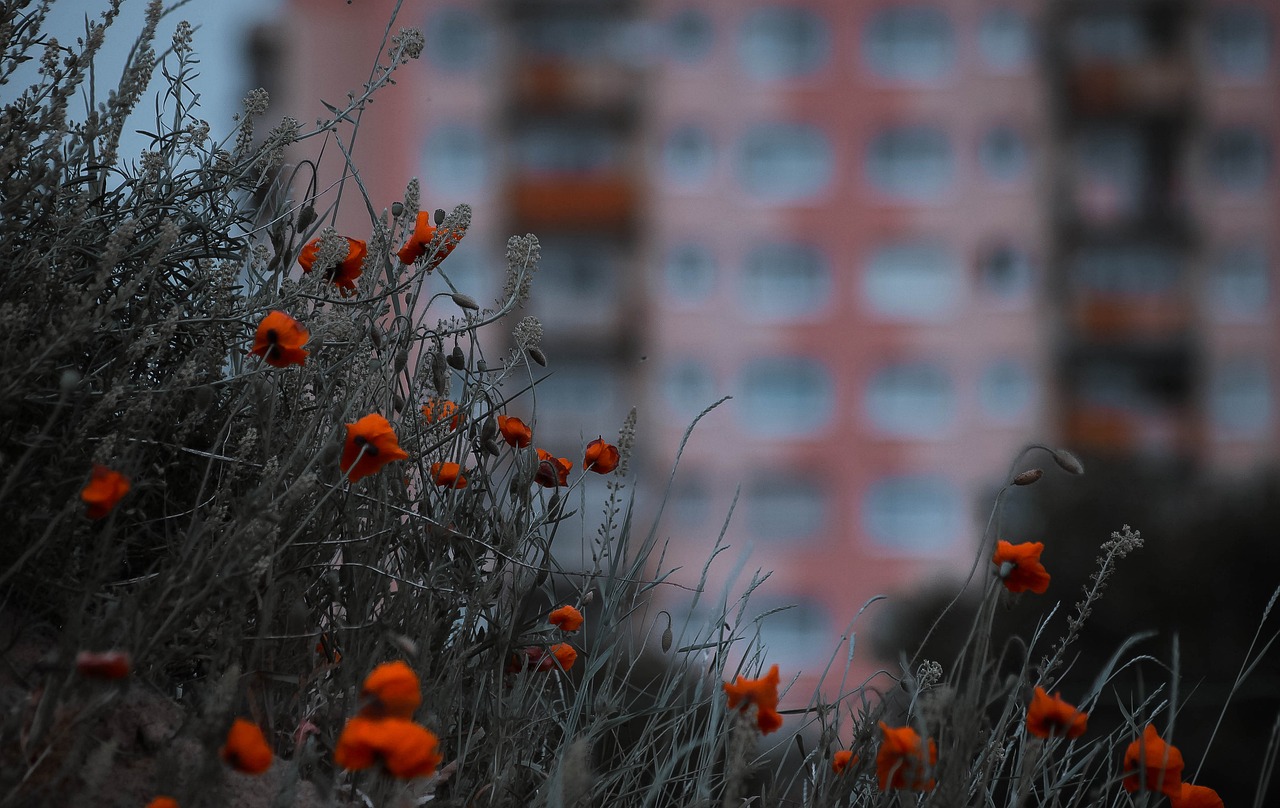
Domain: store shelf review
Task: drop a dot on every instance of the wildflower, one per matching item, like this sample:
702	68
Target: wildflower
601	457
448	475
279	340
424	232
1018	565
438	410
514	431
534	658
763	693
1050	715
406	749
566	618
103	664
552	471
842	760
104	489
1190	796
370	445
246	749
564	655
901	761
391	689
344	274
1152	764
163	802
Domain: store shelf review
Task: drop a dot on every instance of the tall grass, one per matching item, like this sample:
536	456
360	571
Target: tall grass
245	574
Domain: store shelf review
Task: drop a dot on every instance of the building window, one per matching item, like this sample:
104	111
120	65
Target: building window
1239	283
1127	269
909	43
1110	171
783	43
1003	154
572	34
689	35
1004	40
1239	159
578	275
1240	40
689	502
1108	34
456	160
688	157
688	387
785	397
1004	271
566	148
781	281
456	40
784	506
784	162
1006	390
912	513
580	392
911	399
912	281
911	162
690	273
797	629
1240	400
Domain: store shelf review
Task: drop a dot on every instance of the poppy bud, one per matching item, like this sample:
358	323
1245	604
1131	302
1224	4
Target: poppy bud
306	216
397	208
666	641
1068	462
402	359
489	430
457	360
439	216
491	447
397	401
1028	477
482	366
375	336
536	354
465	301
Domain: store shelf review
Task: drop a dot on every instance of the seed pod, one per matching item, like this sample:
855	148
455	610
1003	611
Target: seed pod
491	447
482	366
397	208
465	301
397	401
536	354
306	216
457	360
1028	477
401	360
1068	462
666	640
489	430
439	216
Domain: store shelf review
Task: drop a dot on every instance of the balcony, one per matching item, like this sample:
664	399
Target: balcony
1130	317
604	201
1156	87
545	86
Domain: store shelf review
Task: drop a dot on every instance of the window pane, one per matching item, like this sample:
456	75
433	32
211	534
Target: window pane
912	281
781	43
798	629
688	387
909	43
690	273
784	162
1004	39
577	278
781	509
785	396
562	147
1240	40
785	280
1003	154
1004	271
1239	282
912	162
455	160
581	393
1005	390
688	157
456	40
1108	34
911	399
912	513
1239	159
1240	399
689	35
1127	269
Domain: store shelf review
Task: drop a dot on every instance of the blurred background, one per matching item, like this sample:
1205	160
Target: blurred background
908	238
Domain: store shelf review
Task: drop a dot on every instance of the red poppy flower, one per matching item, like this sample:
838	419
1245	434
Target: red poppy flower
391	689
1152	764
535	658
842	760
514	431
904	759
104	489
404	748
279	340
103	664
438	410
566	618
1190	796
1050	716
552	471
370	445
348	269
246	749
763	693
424	232
601	457
1019	566
448	475
163	802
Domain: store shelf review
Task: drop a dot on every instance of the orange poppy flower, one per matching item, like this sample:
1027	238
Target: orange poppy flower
1152	764
1190	796
552	471
348	269
564	656
534	658
391	689
566	618
448	475
279	340
424	232
104	489
163	802
246	749
1050	716
103	664
405	749
437	410
763	693
842	760
370	445
514	431
601	457
1019	566
904	759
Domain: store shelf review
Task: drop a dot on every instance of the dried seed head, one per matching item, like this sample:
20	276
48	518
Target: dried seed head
1028	477
1068	462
